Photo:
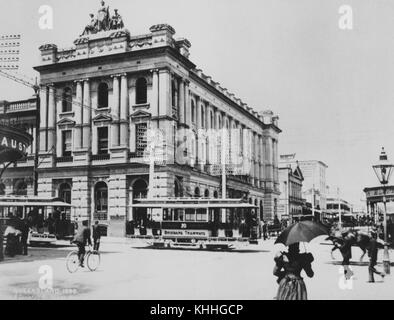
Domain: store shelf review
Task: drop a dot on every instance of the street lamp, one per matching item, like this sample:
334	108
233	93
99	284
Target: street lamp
383	170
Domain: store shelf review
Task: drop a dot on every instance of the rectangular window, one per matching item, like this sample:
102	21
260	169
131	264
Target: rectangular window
67	143
102	140
190	215
201	215
141	138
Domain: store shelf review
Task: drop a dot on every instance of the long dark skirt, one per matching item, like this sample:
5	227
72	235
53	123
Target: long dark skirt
292	288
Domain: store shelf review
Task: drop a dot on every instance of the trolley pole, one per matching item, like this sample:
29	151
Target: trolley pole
36	138
224	180
339	210
1	240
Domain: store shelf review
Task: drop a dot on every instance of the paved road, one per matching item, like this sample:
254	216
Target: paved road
134	272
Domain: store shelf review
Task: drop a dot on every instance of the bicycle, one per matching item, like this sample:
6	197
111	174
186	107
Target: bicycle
92	259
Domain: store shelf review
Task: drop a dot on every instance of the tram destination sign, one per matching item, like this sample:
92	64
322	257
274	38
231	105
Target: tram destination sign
186	233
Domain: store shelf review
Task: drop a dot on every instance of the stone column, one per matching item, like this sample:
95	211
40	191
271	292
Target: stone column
124	111
165	107
262	178
33	147
181	104
43	118
188	113
115	113
94	140
51	120
198	126
78	118
87	141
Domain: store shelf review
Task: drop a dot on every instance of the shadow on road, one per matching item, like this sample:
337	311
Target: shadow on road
39	254
203	250
356	263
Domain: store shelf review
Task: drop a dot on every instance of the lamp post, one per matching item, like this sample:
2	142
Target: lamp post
383	170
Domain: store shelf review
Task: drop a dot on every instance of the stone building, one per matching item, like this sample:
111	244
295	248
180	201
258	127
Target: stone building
100	98
290	200
314	184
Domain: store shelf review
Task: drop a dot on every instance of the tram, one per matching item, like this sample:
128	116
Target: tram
49	218
196	222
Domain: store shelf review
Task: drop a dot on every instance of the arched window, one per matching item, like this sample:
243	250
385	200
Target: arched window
193	112
141	91
206	193
173	93
65	192
250	200
67	97
101	200
21	188
140	189
102	95
212	120
178	191
174	98
197	192
215	194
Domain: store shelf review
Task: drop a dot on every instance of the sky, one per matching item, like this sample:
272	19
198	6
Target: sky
331	88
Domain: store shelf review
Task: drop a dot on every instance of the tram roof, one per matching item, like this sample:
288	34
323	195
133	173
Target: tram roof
20	201
192	205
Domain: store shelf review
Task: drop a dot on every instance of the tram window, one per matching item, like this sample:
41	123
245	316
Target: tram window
166	215
189	216
179	213
201	215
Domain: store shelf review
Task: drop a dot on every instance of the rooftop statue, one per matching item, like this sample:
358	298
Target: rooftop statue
116	21
103	17
92	26
103	21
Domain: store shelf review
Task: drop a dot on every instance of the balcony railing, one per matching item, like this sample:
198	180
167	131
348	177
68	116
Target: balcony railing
20	106
100	215
101	157
64	159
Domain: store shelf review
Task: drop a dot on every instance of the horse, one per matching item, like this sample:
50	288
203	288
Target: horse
359	239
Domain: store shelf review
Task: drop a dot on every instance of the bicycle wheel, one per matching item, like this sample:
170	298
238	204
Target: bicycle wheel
72	262
93	260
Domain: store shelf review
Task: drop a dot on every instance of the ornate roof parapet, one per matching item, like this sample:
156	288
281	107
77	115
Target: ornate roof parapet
183	46
162	35
48	53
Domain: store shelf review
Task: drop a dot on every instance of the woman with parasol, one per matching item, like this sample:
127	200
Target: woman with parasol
289	265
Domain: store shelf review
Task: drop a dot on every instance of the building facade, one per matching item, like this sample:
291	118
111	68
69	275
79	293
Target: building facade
290	199
99	101
18	179
314	184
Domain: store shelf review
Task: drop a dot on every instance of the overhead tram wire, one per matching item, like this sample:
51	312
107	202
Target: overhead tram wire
58	97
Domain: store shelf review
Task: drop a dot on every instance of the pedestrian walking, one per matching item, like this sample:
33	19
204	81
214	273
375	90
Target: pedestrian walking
25	236
373	257
288	268
346	251
96	236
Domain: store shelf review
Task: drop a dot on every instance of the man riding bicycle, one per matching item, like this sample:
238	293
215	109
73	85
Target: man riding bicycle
81	239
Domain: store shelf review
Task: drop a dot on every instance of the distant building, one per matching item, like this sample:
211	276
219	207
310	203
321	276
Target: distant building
290	184
314	184
333	206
